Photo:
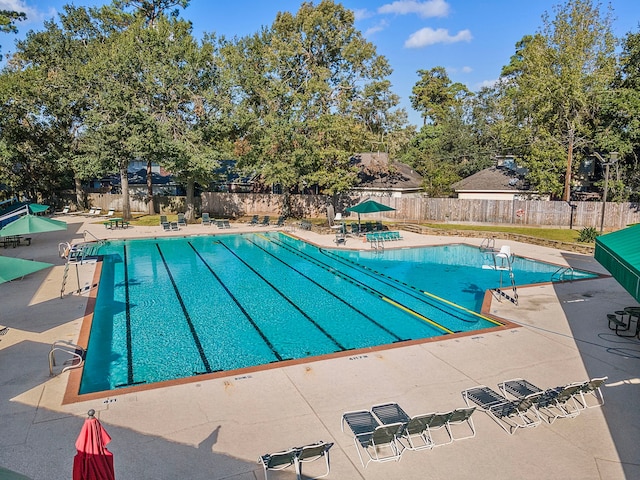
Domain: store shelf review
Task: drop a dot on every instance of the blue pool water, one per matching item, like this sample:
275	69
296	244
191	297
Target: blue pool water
178	307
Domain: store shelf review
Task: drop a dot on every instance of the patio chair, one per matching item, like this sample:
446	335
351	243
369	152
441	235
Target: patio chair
461	416
592	388
415	433
174	226
182	221
509	415
163	219
554	403
265	221
379	442
355	229
280	222
225	224
206	220
254	220
311	453
278	461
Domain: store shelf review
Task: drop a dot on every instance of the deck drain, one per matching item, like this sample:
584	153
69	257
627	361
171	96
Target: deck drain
4	330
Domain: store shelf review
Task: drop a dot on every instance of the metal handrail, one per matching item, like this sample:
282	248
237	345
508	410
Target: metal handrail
561	272
76	352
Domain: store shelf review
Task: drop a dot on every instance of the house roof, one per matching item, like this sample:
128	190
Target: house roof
377	171
492	179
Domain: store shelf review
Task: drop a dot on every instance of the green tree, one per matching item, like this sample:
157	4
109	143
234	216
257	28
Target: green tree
559	77
312	92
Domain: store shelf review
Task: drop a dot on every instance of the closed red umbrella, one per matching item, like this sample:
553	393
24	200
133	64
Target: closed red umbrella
93	461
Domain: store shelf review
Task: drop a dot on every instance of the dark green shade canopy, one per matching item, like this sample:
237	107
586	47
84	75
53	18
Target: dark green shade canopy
38	208
12	268
369	206
30	224
619	253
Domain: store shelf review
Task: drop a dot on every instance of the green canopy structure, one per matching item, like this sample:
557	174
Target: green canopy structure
619	253
38	208
369	206
30	224
12	268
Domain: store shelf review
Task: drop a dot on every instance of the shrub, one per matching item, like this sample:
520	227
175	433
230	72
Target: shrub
588	235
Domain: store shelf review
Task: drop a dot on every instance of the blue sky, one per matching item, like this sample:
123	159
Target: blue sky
472	39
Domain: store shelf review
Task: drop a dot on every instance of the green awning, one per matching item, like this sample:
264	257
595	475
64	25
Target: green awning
619	253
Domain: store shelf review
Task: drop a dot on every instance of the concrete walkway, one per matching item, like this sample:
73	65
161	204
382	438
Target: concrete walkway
216	429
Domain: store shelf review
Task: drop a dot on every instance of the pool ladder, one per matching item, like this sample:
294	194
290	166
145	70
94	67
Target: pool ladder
74	356
562	273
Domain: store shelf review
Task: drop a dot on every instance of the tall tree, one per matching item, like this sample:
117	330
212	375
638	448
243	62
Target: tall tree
315	92
560	76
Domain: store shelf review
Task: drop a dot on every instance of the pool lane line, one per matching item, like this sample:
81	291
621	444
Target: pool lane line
360	284
372	320
192	328
237	302
304	314
411	287
128	321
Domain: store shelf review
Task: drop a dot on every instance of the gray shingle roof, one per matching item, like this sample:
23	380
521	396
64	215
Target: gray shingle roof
492	179
377	171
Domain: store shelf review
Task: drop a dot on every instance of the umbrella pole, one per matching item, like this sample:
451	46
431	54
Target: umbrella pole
78	278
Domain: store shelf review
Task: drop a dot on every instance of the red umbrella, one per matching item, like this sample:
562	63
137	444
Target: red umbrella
93	461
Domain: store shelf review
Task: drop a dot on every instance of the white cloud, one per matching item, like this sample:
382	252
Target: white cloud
430	8
32	13
362	13
428	36
376	28
467	69
488	83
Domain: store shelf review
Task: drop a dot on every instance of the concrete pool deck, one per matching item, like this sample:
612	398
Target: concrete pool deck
216	429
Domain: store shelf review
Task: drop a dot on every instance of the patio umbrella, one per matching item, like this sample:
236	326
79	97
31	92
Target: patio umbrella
30	224
369	206
12	268
38	208
93	461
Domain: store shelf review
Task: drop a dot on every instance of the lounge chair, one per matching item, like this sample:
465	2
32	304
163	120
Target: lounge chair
278	461
416	431
254	220
592	388
206	220
110	213
65	211
91	212
265	221
182	221
558	402
311	453
174	226
96	212
379	442
225	224
280	222
461	416
510	415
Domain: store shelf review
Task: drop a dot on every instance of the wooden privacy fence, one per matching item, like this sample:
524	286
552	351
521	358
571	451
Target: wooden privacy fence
407	209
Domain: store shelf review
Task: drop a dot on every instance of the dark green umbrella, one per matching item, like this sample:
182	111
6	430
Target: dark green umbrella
38	208
369	206
30	224
12	268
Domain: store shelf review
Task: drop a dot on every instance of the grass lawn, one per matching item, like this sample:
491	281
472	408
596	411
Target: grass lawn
557	234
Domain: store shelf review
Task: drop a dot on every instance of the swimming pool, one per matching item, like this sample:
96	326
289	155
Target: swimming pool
178	307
